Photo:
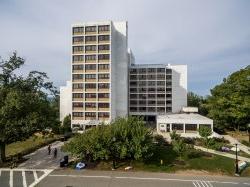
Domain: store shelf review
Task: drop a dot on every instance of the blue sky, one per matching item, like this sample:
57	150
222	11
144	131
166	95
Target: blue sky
212	37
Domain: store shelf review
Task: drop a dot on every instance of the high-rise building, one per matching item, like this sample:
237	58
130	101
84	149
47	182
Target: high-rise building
100	62
157	89
106	82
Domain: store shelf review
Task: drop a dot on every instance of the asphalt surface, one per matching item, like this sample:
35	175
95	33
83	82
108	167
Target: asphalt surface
88	178
21	177
41	160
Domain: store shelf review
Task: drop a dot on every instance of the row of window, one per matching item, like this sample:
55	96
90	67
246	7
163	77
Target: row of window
77	58
89	48
90	114
159	89
80	39
149	83
152	96
150	109
90	105
91	85
89	76
101	28
150	102
150	77
150	70
91	67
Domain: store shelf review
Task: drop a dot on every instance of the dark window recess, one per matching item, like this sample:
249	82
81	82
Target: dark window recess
77	86
103	86
77	67
90	114
103	47
90	38
90	86
78	30
77	114
133	70
103	76
90	57
77	95
77	76
78	39
90	67
77	48
103	105
77	105
103	66
90	76
78	58
90	95
161	70
103	57
90	48
103	114
90	105
103	95
90	29
104	38
103	28
176	126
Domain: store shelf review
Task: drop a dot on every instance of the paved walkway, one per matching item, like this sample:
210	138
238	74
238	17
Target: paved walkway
41	160
233	141
222	153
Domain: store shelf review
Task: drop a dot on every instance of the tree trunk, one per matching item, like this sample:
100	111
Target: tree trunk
2	152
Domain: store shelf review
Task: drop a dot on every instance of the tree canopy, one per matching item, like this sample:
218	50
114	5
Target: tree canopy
24	104
124	138
229	103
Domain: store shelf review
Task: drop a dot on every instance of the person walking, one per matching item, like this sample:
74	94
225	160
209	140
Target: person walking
49	149
55	152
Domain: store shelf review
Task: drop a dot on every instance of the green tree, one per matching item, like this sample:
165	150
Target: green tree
66	124
205	132
24	104
195	100
229	103
124	138
179	147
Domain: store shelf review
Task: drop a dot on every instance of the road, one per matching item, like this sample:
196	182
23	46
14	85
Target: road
41	160
90	178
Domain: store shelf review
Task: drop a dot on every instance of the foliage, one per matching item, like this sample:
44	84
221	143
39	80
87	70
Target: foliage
179	147
174	135
66	125
205	132
195	100
244	142
160	140
124	138
24	104
229	103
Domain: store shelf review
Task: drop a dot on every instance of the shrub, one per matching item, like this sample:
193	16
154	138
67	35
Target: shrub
192	153
174	135
244	142
188	140
160	140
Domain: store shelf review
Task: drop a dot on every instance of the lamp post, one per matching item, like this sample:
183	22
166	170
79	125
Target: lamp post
248	130
113	140
236	161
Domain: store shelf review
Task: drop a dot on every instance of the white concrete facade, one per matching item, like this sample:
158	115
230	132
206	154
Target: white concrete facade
163	89
91	111
182	123
65	100
179	87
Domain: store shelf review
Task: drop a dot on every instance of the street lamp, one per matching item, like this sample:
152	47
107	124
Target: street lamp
113	140
248	130
236	162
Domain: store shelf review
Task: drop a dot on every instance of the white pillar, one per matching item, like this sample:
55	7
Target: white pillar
170	127
184	127
198	126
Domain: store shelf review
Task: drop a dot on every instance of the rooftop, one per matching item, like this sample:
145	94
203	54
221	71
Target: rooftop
183	116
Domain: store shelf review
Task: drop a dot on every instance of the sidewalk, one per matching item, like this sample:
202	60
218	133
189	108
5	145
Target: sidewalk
233	141
222	153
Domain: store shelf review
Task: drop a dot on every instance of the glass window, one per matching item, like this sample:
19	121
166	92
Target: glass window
90	38
77	95
90	57
103	66
103	76
90	29
77	104
77	76
78	30
90	76
103	38
77	86
103	85
78	58
90	86
90	48
77	114
90	95
77	48
77	67
90	67
103	47
103	28
103	57
77	39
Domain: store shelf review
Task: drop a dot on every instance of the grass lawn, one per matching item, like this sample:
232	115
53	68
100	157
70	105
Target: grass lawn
28	145
171	163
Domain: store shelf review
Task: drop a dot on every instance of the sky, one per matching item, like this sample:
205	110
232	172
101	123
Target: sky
211	36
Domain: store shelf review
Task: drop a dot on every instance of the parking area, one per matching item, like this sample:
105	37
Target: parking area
22	177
